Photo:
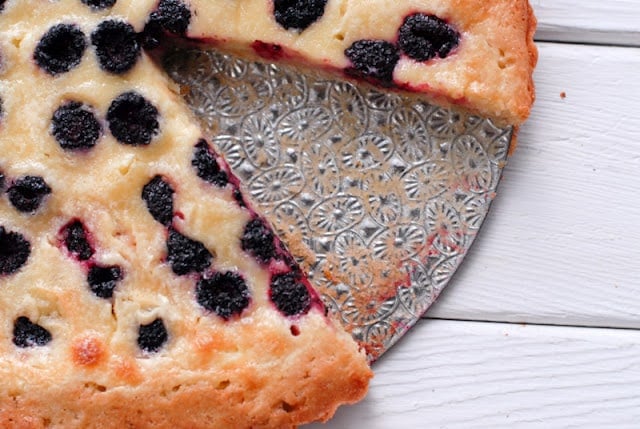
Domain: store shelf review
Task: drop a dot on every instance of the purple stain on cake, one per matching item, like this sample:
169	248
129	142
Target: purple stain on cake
152	336
298	14
60	49
14	251
99	4
27	193
158	196
75	238
423	37
206	165
372	59
133	120
116	46
186	255
29	334
225	294
103	280
75	126
290	294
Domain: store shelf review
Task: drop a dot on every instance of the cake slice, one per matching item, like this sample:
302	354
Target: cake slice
475	54
138	287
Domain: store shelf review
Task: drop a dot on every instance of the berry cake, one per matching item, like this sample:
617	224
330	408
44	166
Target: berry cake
138	287
475	54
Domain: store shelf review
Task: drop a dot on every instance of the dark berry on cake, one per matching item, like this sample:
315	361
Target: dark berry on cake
207	168
75	239
238	197
298	14
29	334
258	240
60	49
99	4
153	336
289	294
2	5
186	255
74	126
158	195
26	193
104	279
171	15
225	294
116	45
373	59
14	251
133	120
422	37
1	181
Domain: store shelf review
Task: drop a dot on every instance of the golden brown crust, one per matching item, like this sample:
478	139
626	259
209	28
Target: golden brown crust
279	394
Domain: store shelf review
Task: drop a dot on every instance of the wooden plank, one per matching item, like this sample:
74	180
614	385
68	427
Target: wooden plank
482	375
562	242
589	21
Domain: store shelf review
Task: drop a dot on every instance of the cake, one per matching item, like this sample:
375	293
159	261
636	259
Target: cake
474	54
138	285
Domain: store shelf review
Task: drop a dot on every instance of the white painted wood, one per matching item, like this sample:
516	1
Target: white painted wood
485	375
561	244
589	21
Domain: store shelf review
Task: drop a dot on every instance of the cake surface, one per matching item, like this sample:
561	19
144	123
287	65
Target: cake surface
138	288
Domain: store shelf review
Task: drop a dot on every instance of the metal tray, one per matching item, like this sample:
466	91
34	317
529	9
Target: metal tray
379	196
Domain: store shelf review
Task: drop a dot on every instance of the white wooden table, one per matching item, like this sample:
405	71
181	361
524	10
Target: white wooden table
541	325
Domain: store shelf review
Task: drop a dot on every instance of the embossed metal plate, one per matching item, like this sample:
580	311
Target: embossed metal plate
379	196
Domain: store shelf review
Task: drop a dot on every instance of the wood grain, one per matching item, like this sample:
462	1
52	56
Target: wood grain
562	242
486	375
589	21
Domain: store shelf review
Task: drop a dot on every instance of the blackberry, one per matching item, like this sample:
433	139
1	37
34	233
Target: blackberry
237	195
225	294
116	45
207	168
14	251
186	255
2	5
99	4
133	120
26	193
373	59
1	181
258	240
172	15
298	14
422	37
104	279
74	126
289	294
75	239
158	195
29	334
153	336
60	49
